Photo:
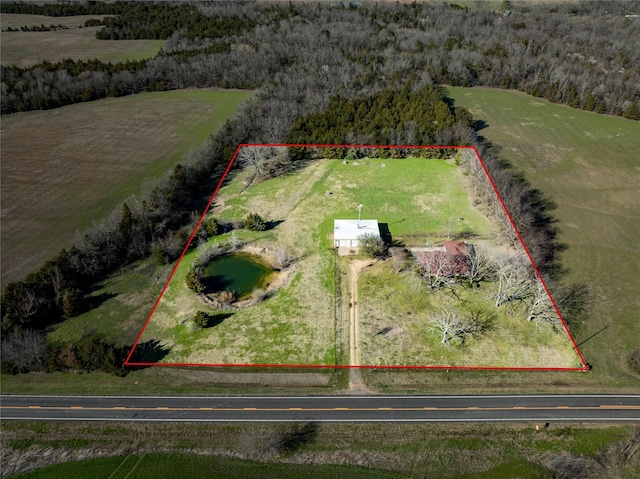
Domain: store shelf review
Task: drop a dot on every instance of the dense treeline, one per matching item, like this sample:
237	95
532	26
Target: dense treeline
143	20
51	85
158	21
391	117
64	9
36	28
583	55
27	350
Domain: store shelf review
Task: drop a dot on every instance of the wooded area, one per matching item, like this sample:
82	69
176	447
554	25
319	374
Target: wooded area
579	54
325	72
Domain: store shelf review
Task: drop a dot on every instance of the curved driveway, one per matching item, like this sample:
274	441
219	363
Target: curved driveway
539	408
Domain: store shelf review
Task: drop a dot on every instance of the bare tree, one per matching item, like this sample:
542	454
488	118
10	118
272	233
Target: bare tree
446	324
513	283
263	161
541	308
29	305
451	326
433	266
261	442
479	265
23	351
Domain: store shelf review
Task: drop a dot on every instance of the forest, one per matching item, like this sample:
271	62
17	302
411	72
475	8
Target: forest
323	72
581	54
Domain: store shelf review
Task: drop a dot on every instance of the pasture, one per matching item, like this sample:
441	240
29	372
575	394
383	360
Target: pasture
587	164
64	168
417	199
25	49
489	450
197	466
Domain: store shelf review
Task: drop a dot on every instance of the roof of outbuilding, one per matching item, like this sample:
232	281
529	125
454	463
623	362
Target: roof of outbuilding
353	229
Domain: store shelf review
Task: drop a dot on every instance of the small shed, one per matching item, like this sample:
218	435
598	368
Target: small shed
348	232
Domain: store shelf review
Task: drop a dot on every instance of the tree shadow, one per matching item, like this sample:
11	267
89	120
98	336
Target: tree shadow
215	283
298	436
466	233
480	125
94	301
269	225
399	221
149	352
216	319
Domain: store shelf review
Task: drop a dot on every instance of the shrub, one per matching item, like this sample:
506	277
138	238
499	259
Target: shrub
201	319
72	302
194	283
254	222
212	227
227	297
633	361
372	246
160	256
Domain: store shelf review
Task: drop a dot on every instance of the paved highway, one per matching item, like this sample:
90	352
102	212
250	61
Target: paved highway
540	408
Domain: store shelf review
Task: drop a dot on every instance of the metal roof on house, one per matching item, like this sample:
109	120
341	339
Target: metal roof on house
353	229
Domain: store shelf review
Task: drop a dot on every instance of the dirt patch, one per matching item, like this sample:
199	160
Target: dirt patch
356	384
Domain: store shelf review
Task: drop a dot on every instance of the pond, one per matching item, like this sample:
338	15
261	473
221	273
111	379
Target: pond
239	272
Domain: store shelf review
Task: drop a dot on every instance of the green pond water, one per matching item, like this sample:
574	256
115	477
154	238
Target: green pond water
241	273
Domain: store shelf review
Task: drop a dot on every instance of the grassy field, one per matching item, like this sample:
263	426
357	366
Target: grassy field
298	324
388	301
25	49
395	450
64	168
120	303
196	466
588	165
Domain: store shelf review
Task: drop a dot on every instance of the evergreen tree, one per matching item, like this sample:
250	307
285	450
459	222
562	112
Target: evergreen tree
254	222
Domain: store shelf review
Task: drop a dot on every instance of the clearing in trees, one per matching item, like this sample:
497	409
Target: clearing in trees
445	282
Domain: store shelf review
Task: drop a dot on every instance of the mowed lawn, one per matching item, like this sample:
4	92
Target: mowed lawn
589	165
25	49
298	325
64	168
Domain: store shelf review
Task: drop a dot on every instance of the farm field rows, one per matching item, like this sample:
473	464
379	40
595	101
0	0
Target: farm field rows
64	168
587	164
417	199
25	49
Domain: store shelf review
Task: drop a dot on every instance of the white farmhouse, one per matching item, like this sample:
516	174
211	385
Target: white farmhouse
348	232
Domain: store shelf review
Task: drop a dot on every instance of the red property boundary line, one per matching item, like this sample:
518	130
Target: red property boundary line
130	363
